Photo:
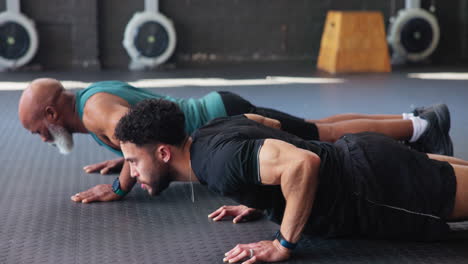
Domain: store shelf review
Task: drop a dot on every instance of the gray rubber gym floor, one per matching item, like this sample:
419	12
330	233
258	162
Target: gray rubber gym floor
40	224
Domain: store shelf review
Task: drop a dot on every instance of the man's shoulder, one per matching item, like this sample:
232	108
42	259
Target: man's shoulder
99	109
224	161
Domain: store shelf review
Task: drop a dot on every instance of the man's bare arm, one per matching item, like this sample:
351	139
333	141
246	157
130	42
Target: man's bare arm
116	112
102	113
296	170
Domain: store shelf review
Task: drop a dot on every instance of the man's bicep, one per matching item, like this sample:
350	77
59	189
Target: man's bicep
275	157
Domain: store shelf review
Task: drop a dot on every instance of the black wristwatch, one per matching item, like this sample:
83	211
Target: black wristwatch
116	188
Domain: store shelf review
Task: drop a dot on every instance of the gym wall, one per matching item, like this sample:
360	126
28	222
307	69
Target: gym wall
67	33
88	34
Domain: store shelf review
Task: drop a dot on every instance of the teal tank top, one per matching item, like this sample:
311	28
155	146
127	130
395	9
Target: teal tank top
197	111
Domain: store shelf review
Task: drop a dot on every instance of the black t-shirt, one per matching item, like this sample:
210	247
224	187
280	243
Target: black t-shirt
224	156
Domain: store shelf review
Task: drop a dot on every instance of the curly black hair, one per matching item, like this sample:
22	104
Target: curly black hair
152	121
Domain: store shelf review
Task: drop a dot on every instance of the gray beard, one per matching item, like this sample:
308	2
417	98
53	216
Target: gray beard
63	139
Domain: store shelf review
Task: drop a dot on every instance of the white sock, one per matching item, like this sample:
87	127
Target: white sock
419	126
407	116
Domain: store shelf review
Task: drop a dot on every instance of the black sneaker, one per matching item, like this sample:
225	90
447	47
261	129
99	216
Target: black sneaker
436	138
421	110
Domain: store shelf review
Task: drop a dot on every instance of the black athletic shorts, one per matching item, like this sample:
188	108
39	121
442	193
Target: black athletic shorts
391	191
236	105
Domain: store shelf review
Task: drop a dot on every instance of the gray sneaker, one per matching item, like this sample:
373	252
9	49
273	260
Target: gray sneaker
436	138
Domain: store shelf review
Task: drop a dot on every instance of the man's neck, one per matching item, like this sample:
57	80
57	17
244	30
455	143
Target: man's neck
75	125
182	163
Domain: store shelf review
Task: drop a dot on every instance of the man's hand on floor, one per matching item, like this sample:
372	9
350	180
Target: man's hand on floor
241	213
105	166
263	251
99	193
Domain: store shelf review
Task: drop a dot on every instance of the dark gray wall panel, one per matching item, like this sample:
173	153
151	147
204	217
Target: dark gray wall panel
214	30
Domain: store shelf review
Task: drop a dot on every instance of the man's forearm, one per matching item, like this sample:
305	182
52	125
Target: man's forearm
299	187
126	182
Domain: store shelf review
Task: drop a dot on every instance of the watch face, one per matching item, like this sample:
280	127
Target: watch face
116	185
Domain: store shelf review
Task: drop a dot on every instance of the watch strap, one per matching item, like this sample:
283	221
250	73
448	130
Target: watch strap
284	242
116	188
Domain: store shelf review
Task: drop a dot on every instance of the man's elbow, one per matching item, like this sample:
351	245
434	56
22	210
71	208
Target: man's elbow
312	159
310	167
303	178
306	168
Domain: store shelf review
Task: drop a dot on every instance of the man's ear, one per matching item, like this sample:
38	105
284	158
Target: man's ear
163	153
51	114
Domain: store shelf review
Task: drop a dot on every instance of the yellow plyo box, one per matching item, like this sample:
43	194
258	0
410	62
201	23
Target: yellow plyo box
354	41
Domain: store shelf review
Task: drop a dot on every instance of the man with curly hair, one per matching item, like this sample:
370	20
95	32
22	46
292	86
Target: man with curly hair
364	184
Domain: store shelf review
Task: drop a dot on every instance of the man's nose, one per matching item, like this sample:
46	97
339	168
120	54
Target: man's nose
133	172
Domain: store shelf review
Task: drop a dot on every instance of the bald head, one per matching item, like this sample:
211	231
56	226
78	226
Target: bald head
36	97
44	109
